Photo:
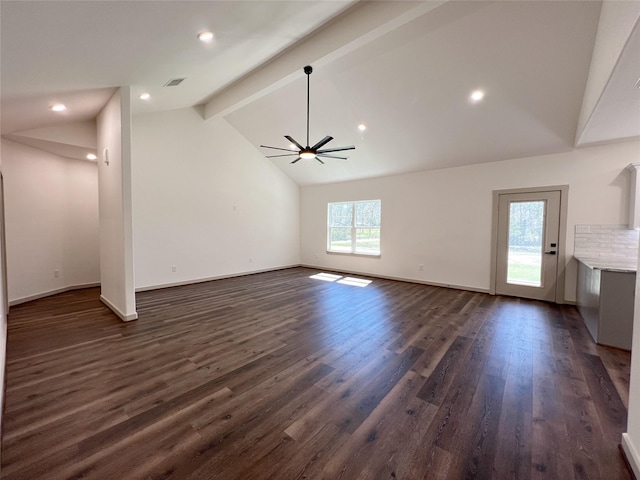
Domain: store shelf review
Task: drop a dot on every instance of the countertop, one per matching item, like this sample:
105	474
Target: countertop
613	264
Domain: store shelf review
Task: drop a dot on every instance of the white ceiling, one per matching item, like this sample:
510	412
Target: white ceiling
407	74
77	52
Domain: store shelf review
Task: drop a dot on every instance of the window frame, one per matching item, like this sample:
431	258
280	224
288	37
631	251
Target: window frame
353	229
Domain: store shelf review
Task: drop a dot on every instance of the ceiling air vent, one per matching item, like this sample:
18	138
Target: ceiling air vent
174	82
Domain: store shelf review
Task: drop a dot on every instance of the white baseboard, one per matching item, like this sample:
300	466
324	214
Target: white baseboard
37	296
373	275
124	317
210	279
631	453
399	279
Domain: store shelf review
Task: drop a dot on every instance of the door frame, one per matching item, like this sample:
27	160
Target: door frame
562	234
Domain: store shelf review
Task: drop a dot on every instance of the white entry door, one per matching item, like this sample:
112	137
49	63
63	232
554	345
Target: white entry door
527	245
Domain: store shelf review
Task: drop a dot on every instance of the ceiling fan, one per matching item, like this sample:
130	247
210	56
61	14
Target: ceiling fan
309	153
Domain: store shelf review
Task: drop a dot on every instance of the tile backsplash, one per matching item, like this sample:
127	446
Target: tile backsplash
611	241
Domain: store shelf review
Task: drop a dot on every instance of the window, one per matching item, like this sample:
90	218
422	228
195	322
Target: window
354	227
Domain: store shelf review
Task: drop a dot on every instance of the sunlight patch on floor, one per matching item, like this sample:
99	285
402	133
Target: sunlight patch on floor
326	277
330	277
356	282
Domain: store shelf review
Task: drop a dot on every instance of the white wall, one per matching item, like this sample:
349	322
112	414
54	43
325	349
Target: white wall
442	218
3	302
114	181
207	201
51	211
631	439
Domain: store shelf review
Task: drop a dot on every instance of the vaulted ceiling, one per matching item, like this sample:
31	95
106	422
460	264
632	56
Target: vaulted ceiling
404	69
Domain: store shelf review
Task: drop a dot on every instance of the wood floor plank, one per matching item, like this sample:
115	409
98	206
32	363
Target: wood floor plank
611	411
474	456
515	431
341	403
445	372
384	444
281	376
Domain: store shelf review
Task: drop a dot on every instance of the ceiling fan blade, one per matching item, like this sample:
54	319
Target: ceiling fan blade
322	142
288	137
337	149
324	155
278	148
283	155
309	151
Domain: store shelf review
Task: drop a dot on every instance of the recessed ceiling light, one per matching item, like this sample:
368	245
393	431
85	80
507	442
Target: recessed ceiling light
144	96
206	37
362	127
476	95
58	107
91	156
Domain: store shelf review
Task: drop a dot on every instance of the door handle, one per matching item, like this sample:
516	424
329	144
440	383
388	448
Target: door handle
552	252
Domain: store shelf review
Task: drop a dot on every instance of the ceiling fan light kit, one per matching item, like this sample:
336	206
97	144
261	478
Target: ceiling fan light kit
307	152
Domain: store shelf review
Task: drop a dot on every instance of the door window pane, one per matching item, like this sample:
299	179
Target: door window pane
526	232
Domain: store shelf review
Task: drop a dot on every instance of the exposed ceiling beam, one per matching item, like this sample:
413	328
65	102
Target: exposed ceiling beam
359	25
616	24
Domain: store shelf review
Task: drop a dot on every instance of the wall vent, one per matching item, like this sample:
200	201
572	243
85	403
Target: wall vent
174	82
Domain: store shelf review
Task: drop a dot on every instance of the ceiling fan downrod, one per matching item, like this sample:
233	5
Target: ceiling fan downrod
308	70
307	152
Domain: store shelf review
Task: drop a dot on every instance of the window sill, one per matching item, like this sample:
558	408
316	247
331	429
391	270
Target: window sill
370	255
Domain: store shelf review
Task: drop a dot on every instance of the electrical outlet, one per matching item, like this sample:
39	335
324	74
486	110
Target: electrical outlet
250	260
174	269
583	229
56	273
421	267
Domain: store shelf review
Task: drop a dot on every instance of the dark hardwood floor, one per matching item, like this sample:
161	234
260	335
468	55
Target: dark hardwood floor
282	376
